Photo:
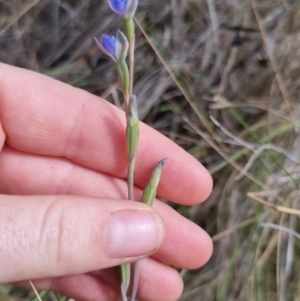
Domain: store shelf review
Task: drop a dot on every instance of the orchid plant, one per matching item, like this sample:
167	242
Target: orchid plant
120	48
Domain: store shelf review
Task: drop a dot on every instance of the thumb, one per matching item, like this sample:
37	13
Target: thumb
50	236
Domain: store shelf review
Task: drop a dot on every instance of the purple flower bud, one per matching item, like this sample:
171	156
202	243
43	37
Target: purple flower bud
115	47
125	8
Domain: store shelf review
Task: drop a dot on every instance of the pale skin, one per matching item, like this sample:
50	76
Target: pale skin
63	174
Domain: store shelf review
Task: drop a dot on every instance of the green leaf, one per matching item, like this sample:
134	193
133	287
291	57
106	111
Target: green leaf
124	270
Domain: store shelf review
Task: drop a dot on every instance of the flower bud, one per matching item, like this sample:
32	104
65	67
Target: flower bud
115	47
149	192
125	8
121	46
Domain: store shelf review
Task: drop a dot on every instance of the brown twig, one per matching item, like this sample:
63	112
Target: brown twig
35	291
280	209
174	78
274	64
18	15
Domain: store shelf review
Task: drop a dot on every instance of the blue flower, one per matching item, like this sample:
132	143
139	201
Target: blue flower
115	47
125	8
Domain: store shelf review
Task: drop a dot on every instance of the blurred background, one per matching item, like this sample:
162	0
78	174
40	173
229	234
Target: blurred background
221	78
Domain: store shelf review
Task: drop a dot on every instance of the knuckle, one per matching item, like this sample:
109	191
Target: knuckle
60	233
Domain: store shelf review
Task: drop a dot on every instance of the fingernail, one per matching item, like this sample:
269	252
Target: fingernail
131	234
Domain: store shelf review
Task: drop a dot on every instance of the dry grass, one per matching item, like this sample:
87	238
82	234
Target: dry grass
221	79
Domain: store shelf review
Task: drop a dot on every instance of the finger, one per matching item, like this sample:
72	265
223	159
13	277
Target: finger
51	236
186	245
84	287
2	137
157	282
27	174
43	116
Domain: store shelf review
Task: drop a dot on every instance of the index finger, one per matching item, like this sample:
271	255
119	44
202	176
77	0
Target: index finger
43	116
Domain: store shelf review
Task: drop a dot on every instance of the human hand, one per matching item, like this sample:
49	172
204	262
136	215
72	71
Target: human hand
63	186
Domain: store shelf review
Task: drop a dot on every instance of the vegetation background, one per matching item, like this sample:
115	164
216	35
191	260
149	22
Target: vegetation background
221	78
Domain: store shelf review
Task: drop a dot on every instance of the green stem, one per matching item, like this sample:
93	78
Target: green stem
129	28
135	280
131	165
124	271
130	181
131	64
125	82
129	31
